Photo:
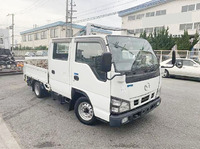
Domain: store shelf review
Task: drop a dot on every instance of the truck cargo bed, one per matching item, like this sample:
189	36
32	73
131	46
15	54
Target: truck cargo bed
37	68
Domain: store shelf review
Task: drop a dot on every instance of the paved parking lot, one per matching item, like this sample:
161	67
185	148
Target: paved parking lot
44	123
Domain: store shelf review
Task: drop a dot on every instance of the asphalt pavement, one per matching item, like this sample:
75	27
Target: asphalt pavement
44	123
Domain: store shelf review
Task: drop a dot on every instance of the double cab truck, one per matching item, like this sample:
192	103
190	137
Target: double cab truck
113	78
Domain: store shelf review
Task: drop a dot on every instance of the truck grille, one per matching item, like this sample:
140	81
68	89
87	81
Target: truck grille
145	99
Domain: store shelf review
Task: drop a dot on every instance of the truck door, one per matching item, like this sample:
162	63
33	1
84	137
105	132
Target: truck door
59	68
86	74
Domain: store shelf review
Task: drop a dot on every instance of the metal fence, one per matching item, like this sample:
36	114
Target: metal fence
166	54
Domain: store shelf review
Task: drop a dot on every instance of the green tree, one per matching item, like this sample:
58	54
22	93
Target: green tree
160	40
183	43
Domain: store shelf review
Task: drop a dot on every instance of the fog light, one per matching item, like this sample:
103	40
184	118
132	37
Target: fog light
158	103
124	120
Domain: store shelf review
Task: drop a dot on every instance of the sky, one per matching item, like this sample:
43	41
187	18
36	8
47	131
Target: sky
41	12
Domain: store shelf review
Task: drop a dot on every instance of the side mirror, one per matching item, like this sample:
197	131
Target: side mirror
179	64
106	62
173	58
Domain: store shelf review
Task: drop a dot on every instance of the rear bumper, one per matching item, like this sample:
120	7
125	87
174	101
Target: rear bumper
116	120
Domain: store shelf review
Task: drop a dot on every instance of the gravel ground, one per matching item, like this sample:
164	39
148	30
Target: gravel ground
45	123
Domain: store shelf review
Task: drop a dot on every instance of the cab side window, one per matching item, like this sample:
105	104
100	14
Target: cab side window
188	63
90	53
60	51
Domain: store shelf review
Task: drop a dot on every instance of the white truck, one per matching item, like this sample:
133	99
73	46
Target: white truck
112	78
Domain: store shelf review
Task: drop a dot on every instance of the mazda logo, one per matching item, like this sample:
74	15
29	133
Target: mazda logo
147	87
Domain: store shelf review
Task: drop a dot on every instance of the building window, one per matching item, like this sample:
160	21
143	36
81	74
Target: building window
37	36
161	12
44	35
158	29
149	30
191	7
198	6
186	26
139	16
30	38
141	30
130	18
150	14
60	51
188	8
54	33
197	25
184	8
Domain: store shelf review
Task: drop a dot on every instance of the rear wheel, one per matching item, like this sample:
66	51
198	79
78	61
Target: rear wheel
166	73
39	90
84	111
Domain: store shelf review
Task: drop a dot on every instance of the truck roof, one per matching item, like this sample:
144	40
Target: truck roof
86	36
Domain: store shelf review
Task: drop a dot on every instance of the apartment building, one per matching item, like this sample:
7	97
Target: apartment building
177	15
41	36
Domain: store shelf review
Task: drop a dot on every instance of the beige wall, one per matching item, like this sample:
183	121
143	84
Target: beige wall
45	42
172	19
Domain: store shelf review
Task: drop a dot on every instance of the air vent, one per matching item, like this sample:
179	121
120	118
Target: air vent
152	95
145	99
136	102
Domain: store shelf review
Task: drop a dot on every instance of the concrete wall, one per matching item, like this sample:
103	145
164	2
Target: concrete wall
173	18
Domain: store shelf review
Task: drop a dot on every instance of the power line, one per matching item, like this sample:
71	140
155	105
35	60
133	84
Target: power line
106	8
29	7
34	6
82	12
96	17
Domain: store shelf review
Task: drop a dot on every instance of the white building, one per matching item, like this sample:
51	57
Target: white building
41	36
178	15
4	39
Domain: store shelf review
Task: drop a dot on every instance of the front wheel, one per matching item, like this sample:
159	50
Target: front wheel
84	111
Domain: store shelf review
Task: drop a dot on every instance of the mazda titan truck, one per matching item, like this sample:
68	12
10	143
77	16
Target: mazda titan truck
112	78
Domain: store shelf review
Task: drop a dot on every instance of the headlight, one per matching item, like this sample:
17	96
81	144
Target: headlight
119	105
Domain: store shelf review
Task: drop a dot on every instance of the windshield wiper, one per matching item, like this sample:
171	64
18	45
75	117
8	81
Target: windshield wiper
116	45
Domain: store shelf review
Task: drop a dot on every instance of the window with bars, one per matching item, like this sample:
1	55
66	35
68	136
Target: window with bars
188	8
131	18
161	12
186	26
150	14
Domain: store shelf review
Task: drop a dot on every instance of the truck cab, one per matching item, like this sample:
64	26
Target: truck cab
113	78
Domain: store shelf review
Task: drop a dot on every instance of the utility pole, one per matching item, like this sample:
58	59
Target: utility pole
67	15
71	14
12	27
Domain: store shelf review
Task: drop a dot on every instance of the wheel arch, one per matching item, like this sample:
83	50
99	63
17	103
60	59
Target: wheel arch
75	95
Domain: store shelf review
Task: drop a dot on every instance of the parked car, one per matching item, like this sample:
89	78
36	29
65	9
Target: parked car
189	68
41	53
29	54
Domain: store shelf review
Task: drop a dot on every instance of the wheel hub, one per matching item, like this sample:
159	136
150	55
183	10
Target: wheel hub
85	111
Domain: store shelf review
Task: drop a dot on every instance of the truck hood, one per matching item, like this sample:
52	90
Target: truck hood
136	90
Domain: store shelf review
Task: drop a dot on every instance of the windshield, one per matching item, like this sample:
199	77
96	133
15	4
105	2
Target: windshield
131	54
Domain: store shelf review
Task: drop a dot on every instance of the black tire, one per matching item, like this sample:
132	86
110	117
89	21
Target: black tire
39	90
166	74
80	103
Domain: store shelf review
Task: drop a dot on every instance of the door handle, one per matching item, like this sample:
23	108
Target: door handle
53	71
76	78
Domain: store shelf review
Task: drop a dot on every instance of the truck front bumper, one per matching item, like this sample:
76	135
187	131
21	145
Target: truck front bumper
118	120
